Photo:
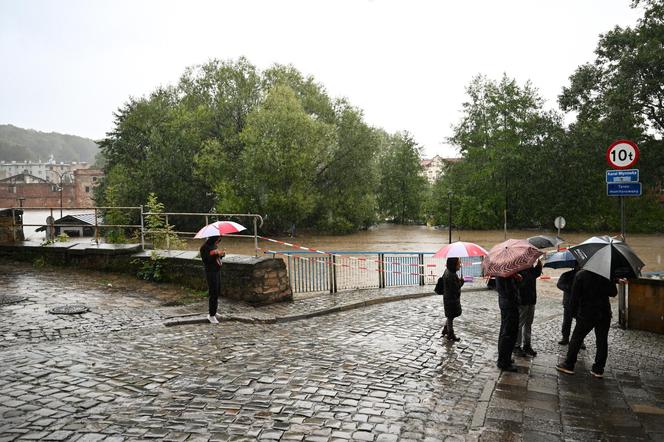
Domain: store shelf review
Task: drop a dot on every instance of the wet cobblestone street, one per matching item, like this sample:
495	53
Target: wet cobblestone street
376	373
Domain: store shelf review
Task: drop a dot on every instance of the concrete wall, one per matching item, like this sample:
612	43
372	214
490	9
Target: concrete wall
257	280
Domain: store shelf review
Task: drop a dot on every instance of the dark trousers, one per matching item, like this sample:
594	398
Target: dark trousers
567	322
214	289
450	326
509	329
583	326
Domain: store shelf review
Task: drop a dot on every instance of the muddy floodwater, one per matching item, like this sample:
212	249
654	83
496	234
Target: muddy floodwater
395	238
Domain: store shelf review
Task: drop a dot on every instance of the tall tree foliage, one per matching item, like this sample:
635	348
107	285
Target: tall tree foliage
502	136
519	158
235	139
347	181
284	147
402	187
621	95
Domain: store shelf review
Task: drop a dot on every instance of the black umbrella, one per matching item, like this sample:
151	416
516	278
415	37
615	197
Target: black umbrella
544	241
608	258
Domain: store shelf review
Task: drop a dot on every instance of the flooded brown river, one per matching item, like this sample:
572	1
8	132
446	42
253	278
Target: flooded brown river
395	238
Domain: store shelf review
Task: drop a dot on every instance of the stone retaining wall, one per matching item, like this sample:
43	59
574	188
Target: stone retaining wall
257	280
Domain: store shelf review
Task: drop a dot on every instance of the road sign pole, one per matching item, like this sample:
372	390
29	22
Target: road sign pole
622	217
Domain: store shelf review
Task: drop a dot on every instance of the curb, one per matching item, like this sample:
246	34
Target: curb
184	320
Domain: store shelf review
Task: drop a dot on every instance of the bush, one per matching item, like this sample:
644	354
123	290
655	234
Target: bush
151	269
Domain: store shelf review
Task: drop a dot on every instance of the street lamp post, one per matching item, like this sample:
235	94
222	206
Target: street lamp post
61	176
449	219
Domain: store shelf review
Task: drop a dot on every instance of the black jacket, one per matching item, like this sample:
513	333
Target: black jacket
507	289
452	294
565	284
528	286
212	263
590	296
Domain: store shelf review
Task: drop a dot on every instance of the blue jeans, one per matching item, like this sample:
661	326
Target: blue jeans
526	316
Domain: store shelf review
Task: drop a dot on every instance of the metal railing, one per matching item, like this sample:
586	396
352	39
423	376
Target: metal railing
338	271
257	221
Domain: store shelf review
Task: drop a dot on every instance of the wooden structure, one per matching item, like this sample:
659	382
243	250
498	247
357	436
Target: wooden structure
645	309
11	231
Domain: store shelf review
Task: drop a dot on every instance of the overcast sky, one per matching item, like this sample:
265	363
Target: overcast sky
66	66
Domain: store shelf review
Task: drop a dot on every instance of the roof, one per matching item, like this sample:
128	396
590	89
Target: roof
83	218
7	212
21	178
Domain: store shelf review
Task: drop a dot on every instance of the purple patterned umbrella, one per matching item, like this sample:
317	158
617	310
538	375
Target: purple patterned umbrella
509	257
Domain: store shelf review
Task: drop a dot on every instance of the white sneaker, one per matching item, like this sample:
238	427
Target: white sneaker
213	320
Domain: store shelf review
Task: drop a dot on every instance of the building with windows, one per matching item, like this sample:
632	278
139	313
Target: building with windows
434	167
50	170
74	190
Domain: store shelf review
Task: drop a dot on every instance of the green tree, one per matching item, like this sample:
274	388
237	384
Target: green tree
620	95
402	186
284	148
347	182
502	136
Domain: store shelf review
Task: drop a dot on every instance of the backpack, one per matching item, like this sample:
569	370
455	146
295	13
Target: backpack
440	286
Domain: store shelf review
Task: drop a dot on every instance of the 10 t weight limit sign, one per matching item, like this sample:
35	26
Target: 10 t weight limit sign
622	154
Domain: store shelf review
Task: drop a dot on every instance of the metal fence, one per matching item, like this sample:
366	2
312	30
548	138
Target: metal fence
308	271
99	225
337	271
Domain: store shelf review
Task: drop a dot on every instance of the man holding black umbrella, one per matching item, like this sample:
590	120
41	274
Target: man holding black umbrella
590	301
603	261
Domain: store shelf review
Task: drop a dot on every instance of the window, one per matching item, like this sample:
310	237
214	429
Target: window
87	189
94	178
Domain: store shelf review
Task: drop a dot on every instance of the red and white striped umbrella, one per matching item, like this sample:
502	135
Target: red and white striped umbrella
219	228
460	249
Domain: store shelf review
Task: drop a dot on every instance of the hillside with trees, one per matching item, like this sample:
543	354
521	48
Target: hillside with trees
17	144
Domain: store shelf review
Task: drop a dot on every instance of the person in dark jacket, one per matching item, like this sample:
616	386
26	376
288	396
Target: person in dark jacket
565	284
508	294
211	257
590	304
452	296
527	300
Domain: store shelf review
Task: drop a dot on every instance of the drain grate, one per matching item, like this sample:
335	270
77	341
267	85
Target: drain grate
69	309
11	299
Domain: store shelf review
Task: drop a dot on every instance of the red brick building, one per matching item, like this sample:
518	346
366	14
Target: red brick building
85	181
25	190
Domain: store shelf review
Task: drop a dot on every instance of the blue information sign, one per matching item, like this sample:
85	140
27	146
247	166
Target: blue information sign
622	176
623	189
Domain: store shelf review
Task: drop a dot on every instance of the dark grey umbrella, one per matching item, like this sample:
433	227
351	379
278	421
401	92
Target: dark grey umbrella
608	258
560	260
544	241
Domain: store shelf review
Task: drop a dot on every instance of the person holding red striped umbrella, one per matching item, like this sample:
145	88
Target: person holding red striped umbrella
451	282
211	256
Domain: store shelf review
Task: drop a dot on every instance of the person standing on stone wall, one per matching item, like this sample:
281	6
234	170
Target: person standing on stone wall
527	301
211	257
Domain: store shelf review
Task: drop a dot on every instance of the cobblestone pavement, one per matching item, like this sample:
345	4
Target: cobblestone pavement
378	373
